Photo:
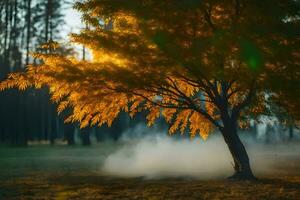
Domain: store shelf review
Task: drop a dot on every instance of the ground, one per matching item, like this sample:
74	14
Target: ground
68	173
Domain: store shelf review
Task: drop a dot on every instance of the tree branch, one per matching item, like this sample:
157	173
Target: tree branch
159	104
232	93
192	106
237	109
207	16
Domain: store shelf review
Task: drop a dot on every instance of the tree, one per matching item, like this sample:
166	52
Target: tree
202	65
285	113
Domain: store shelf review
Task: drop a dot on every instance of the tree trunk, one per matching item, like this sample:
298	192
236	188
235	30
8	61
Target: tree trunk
85	137
69	134
6	34
291	132
239	154
28	36
70	138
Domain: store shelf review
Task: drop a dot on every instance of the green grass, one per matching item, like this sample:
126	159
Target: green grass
61	173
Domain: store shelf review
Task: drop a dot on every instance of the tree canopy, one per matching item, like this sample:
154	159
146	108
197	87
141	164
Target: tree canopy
178	58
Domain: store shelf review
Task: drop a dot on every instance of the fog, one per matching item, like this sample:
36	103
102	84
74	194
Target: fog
159	156
151	153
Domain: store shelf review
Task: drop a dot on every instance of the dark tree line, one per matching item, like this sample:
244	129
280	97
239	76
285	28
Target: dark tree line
24	26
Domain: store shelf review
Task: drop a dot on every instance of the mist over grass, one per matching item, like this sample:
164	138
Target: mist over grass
160	156
108	170
151	154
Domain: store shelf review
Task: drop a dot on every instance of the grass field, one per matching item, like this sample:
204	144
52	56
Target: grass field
73	173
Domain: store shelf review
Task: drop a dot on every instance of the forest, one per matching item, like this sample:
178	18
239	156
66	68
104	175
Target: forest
151	94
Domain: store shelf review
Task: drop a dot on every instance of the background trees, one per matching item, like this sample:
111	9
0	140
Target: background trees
25	25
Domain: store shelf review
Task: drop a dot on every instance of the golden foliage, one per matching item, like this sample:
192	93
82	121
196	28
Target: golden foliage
200	125
173	63
180	122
